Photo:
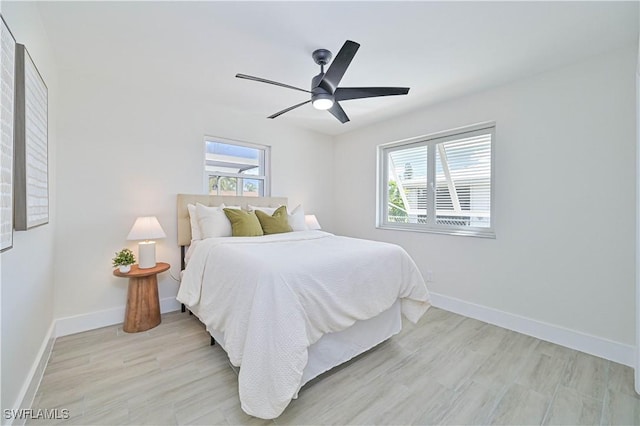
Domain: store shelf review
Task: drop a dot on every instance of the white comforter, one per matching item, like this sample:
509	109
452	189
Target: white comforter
274	296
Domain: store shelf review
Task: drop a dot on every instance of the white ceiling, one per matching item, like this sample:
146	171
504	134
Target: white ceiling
441	50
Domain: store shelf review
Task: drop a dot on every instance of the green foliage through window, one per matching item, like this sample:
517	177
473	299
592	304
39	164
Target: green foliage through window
397	209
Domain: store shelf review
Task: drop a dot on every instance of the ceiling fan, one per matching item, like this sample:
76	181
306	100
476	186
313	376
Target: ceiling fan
325	92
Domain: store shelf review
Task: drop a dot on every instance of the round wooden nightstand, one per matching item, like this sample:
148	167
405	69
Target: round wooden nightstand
143	304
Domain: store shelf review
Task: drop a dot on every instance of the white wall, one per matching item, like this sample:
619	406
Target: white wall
126	150
564	198
27	268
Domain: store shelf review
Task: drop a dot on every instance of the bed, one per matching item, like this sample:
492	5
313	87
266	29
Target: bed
289	307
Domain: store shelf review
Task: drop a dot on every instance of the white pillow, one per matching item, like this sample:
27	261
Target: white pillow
267	210
193	219
296	219
213	222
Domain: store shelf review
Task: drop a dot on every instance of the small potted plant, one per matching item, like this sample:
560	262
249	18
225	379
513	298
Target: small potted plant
124	259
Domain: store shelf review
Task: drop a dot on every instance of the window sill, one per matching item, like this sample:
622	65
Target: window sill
489	233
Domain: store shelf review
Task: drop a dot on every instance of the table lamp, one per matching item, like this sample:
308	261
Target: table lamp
146	228
311	221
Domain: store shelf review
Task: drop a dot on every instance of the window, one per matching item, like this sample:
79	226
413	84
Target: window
236	168
440	183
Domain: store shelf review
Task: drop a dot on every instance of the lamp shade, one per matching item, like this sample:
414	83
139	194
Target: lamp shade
146	228
311	221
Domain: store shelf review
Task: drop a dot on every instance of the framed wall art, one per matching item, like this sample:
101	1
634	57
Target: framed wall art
31	177
7	103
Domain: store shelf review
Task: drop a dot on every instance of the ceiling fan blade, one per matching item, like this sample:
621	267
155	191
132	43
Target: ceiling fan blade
279	113
264	80
339	66
345	93
338	113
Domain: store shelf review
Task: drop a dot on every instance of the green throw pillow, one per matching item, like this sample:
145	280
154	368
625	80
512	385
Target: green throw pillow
243	224
277	223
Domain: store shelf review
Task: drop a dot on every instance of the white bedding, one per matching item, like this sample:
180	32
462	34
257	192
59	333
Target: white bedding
274	296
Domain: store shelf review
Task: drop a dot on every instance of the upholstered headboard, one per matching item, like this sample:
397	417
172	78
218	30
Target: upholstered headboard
184	226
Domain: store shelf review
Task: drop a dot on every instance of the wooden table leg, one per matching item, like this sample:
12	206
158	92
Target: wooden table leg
143	304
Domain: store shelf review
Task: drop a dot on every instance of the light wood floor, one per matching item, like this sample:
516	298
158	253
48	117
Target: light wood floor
448	369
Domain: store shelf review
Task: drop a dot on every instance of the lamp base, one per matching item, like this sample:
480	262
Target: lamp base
146	254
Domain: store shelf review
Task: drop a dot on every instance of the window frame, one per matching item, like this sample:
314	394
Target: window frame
431	141
266	177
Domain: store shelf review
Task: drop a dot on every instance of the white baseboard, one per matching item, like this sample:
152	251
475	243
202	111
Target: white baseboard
32	382
593	345
107	317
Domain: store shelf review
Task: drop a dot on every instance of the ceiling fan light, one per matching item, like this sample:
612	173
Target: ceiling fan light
322	102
